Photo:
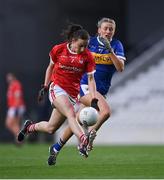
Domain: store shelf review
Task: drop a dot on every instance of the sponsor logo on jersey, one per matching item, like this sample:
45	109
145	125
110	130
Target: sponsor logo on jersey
102	58
70	68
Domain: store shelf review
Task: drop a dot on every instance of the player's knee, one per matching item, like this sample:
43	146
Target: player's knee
51	129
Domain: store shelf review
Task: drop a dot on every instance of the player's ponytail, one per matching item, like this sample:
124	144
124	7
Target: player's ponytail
75	31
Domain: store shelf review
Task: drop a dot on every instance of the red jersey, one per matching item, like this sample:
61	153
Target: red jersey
69	67
15	94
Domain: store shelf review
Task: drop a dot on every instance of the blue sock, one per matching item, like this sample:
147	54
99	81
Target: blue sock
57	147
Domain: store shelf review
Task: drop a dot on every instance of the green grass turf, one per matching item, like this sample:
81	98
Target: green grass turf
123	162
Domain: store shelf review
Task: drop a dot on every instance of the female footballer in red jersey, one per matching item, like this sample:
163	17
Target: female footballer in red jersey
68	62
109	57
16	105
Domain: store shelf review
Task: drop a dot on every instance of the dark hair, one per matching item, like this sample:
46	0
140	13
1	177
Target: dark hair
75	31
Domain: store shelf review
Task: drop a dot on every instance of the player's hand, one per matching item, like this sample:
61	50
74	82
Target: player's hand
106	44
94	104
43	91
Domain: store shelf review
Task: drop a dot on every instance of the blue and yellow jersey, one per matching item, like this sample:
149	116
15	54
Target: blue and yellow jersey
104	65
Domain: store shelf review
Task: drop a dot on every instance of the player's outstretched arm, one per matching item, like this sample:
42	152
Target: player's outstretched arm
44	88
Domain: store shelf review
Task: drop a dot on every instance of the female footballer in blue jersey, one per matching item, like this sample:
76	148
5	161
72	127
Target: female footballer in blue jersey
109	57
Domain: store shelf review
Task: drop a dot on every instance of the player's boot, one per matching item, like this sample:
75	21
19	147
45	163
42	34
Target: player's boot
52	157
83	150
24	130
82	147
91	137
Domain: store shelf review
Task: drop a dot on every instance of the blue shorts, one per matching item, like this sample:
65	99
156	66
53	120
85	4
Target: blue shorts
84	89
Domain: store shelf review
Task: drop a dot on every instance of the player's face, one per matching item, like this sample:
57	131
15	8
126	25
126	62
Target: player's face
9	77
106	30
78	45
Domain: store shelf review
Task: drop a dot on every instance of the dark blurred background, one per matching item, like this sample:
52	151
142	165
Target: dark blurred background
29	29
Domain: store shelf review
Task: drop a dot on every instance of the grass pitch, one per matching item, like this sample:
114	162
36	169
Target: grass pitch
123	162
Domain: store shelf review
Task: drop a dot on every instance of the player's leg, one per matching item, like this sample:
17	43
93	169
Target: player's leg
55	148
19	116
50	127
68	111
66	135
55	121
13	121
104	114
64	103
12	125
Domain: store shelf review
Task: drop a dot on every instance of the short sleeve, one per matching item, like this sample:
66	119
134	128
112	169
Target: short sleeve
119	51
53	54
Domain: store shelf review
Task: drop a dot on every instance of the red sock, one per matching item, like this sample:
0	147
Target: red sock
31	128
84	139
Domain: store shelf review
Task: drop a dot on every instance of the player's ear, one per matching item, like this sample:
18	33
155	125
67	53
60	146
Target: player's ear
98	31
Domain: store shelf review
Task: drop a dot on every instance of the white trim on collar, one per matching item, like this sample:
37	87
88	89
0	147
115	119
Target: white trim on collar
70	49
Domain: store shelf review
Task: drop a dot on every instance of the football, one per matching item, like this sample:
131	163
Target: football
89	116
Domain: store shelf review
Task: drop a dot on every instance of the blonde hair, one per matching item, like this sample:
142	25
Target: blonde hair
104	19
